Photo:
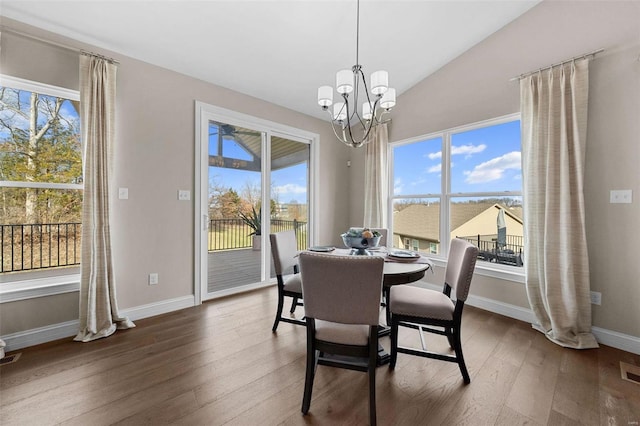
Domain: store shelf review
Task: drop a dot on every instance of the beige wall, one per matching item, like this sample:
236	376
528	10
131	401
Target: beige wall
154	152
154	157
476	86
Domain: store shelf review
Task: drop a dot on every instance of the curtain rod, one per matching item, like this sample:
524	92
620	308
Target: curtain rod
56	44
586	55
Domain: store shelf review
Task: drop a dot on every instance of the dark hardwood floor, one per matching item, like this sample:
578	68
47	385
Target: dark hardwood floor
219	364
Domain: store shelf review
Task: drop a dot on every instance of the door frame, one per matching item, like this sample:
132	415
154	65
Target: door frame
205	112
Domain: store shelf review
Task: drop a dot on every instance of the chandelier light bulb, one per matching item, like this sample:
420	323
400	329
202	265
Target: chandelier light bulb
344	81
367	113
379	82
339	111
388	100
325	96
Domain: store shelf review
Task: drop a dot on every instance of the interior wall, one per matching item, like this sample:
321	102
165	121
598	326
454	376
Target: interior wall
476	86
154	157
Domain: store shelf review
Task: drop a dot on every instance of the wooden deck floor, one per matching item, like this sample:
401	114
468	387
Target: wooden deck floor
227	269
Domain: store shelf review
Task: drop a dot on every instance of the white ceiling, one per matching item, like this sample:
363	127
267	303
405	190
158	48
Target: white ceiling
279	51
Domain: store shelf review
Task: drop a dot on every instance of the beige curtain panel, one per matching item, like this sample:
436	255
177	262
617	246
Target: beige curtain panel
99	315
375	178
554	130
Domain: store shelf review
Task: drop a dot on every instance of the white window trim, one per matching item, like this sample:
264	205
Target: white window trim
504	272
30	288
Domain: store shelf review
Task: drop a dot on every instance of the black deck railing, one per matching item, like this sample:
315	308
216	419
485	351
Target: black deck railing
50	245
227	234
490	250
39	246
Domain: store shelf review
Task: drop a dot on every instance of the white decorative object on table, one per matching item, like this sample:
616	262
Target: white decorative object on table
361	240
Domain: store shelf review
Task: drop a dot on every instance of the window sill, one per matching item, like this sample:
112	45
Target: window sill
488	269
38	287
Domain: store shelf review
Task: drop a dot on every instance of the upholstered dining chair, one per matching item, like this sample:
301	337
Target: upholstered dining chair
433	311
332	286
284	250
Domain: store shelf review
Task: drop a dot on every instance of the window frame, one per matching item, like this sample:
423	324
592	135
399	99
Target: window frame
41	282
507	272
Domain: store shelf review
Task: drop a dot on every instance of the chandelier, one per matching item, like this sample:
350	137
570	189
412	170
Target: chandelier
345	115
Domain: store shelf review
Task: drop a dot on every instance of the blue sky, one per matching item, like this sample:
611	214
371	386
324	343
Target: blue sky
483	160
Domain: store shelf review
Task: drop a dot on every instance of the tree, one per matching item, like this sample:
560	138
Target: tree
39	142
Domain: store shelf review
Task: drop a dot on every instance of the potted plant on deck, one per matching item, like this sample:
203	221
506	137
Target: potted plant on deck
254	221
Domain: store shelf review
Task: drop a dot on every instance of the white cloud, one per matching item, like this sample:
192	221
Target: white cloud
494	169
467	150
397	186
290	188
435	169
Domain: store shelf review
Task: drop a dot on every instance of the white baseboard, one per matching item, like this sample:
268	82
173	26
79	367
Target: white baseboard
40	335
69	329
159	308
617	340
611	338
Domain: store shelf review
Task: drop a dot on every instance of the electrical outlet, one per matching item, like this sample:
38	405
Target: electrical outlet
596	298
184	195
153	278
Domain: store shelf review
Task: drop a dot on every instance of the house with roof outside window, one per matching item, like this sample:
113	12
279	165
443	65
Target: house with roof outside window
417	227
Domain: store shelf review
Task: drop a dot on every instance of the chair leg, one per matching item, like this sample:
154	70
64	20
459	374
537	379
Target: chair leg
386	291
450	338
293	305
457	346
394	343
279	311
373	351
310	372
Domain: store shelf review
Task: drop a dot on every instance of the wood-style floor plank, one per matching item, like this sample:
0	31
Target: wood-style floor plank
219	364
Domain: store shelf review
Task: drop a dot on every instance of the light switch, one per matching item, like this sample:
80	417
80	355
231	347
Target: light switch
620	196
123	193
184	195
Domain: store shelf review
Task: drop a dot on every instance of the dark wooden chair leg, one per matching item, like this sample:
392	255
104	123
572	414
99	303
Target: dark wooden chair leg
450	332
373	350
386	291
310	370
394	343
278	312
293	305
458	349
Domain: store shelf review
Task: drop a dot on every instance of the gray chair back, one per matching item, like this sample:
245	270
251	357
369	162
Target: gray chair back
460	266
342	289
284	248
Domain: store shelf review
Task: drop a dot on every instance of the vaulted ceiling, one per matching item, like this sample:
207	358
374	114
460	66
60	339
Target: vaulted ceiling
279	51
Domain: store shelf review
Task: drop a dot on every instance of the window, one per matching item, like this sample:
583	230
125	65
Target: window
415	245
464	182
40	180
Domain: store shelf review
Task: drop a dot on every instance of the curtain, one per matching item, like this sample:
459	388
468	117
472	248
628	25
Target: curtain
375	178
554	128
99	315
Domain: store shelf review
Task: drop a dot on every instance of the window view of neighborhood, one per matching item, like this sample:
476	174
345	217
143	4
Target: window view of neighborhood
40	181
472	177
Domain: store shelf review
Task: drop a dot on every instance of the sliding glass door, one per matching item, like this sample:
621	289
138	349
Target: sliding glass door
252	180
